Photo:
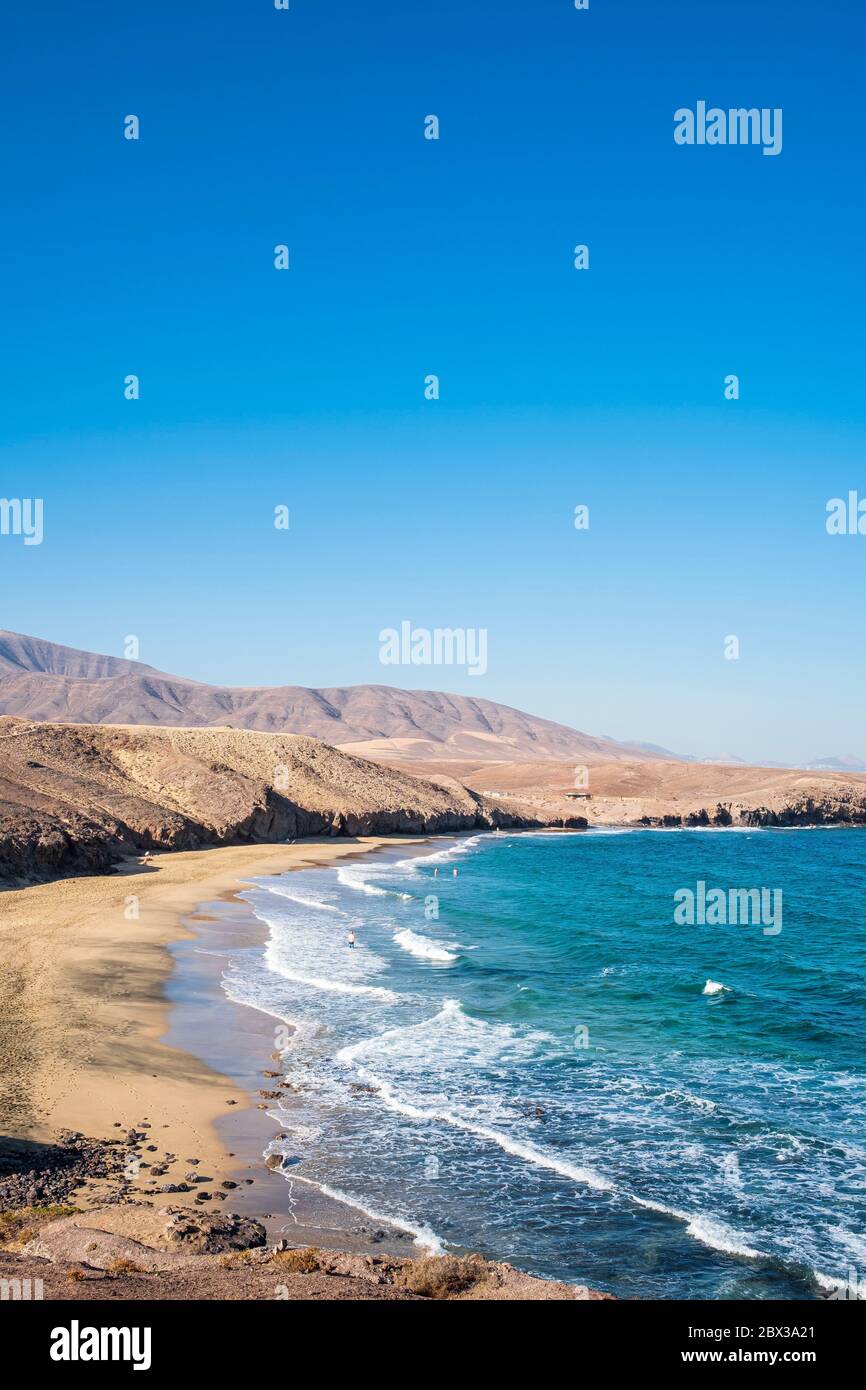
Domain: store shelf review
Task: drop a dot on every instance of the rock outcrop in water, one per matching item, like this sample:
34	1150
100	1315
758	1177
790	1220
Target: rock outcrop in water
75	799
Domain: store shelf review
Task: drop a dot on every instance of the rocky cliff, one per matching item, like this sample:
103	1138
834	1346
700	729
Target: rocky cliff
76	799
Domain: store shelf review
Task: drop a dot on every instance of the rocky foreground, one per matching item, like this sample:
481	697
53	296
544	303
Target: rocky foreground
133	1253
128	1248
77	799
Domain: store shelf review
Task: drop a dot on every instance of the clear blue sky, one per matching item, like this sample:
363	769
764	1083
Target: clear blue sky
412	257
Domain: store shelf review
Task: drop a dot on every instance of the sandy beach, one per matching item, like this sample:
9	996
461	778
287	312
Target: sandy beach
111	1017
83	1008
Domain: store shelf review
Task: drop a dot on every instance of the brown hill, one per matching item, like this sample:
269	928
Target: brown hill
672	793
43	681
76	798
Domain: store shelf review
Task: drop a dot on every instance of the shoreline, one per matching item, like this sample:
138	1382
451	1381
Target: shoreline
109	1235
86	1013
238	1040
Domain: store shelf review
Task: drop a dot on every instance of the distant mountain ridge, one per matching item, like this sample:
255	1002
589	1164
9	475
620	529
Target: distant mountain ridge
45	681
843	762
19	653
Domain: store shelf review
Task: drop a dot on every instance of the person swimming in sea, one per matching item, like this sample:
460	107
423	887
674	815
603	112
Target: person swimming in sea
352	939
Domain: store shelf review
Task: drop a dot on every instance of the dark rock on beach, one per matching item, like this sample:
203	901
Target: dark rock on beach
49	1174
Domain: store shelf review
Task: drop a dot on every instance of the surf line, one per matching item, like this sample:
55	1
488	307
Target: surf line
704	1230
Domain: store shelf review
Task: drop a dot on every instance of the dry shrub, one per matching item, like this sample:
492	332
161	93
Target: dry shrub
235	1258
124	1266
75	1275
307	1261
442	1276
23	1223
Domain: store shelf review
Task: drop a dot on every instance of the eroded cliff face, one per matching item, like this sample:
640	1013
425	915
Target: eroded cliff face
803	811
76	799
826	811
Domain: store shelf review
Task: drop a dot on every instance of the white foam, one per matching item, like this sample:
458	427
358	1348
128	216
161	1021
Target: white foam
851	1288
714	1234
310	949
434	1070
303	901
485	1041
336	986
685	1098
462	847
528	1152
422	1235
423	947
720	1237
358	879
450	1037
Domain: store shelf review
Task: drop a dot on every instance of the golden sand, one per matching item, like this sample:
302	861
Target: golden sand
83	967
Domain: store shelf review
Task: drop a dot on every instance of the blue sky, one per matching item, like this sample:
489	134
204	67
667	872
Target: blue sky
454	257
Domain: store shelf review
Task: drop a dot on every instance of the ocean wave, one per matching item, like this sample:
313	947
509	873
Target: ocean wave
358	879
848	1288
476	1041
449	1038
279	892
423	1236
329	986
718	1236
516	1147
423	947
442	856
707	1230
685	1098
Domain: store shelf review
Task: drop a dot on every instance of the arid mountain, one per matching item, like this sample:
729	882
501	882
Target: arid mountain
43	681
77	798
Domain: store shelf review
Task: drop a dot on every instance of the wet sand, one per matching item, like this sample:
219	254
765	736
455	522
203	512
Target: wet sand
239	1042
242	1044
84	1009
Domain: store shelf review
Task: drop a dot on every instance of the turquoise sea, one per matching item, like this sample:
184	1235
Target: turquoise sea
531	1058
